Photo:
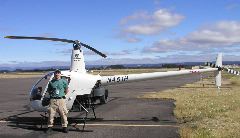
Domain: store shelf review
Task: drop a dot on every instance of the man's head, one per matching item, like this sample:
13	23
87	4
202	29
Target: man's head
57	74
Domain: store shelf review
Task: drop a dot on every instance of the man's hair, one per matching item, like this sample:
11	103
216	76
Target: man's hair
57	71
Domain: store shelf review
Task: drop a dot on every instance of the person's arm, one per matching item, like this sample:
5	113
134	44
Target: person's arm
66	87
66	90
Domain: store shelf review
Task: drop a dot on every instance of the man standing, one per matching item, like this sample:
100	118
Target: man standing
57	89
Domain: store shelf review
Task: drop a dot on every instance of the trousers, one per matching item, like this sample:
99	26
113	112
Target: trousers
57	105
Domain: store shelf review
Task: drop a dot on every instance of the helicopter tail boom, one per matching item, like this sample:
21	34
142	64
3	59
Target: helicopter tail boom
216	68
110	80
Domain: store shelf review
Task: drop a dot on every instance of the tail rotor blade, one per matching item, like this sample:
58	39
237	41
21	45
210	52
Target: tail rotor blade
211	64
231	71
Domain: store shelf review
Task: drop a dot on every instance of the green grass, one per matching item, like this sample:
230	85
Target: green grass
206	111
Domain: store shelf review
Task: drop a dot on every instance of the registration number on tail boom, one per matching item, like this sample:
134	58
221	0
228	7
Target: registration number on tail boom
117	79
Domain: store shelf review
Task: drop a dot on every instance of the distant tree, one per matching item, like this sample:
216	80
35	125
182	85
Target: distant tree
116	67
170	66
19	70
4	71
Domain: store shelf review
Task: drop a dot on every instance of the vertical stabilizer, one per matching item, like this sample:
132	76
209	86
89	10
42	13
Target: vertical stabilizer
218	74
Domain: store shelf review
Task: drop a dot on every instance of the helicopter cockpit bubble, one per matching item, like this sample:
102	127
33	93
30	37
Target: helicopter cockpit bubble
39	89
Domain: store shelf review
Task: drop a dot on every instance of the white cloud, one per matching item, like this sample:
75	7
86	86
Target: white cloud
221	35
123	52
133	40
143	23
154	23
138	16
162	46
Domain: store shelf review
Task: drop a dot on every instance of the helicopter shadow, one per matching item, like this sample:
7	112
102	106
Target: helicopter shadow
127	121
39	124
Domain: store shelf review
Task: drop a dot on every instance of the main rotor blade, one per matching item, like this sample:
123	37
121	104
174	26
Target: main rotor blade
60	40
93	49
40	38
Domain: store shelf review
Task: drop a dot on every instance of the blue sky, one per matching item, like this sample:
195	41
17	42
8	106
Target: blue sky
128	31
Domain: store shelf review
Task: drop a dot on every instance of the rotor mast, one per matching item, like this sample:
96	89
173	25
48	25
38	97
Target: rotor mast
77	59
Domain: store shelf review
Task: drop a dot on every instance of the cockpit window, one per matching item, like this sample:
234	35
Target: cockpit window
39	88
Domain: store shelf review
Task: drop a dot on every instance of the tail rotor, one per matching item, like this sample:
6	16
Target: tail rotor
218	65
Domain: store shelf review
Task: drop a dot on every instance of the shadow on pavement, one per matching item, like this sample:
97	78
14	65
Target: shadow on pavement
39	124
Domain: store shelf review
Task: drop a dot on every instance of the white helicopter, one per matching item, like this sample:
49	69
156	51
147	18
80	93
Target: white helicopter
85	88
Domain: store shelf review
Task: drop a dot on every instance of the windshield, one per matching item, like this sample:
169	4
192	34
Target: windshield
39	89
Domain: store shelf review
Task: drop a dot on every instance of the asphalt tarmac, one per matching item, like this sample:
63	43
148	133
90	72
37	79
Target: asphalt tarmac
125	115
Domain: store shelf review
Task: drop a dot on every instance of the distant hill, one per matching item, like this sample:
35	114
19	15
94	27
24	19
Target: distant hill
13	68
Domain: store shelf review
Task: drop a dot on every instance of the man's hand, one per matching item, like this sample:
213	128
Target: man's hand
66	91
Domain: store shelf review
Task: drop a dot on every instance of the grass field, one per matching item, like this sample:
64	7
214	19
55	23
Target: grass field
21	75
202	110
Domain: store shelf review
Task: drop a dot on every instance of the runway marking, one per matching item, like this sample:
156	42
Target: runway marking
113	125
3	121
128	125
148	92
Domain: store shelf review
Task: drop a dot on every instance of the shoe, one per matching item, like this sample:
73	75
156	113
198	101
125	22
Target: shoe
65	130
49	130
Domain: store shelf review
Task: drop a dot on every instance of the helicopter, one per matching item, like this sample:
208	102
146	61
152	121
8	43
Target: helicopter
85	88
